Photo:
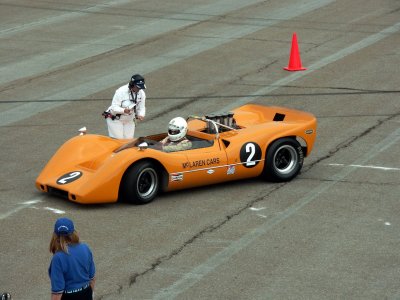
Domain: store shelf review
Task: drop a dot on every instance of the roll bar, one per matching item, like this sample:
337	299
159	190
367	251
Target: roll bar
215	124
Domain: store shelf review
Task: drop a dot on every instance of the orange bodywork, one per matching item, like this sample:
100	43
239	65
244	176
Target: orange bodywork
87	170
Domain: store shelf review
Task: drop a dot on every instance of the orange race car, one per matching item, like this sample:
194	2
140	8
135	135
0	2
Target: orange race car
250	141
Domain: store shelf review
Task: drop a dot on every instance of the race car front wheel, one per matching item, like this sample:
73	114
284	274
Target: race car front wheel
284	160
141	183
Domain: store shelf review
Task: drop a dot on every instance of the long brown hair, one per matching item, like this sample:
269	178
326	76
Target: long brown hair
61	242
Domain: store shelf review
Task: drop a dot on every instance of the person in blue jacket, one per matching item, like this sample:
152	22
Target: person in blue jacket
72	269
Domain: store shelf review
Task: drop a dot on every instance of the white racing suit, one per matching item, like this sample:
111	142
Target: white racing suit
123	125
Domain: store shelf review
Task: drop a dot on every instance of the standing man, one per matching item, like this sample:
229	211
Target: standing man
128	104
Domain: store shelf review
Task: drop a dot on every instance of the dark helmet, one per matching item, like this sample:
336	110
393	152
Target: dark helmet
138	81
5	296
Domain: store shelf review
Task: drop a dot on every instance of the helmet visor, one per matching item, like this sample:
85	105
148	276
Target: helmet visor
174	131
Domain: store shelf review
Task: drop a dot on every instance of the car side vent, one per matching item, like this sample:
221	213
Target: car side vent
226	143
279	117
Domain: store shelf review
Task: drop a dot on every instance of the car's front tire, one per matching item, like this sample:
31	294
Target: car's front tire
141	183
284	160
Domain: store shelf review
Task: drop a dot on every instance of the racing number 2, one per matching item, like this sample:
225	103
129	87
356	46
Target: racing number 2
250	154
252	149
69	177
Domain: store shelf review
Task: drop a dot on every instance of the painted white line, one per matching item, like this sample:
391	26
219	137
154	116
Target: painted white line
386	223
54	210
257	209
368	41
29	204
60	18
22	206
196	274
224	33
366	166
146	28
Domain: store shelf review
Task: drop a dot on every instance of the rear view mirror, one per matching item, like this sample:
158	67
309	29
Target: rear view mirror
143	146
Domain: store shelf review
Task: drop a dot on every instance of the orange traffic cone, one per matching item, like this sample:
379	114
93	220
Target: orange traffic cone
294	60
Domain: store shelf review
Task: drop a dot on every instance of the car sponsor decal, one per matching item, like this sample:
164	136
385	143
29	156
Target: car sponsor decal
210	171
69	177
250	154
201	163
177	177
231	170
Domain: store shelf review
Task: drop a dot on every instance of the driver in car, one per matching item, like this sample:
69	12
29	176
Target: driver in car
176	139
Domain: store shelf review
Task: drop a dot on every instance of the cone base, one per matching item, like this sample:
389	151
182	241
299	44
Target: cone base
294	69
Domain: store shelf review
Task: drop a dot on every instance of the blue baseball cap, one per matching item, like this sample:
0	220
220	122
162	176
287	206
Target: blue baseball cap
64	226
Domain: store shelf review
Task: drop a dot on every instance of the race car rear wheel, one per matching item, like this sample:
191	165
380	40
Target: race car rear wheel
284	160
141	183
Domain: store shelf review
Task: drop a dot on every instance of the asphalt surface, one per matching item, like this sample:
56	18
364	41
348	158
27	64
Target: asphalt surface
331	233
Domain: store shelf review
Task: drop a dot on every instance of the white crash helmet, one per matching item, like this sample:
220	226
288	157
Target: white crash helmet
177	129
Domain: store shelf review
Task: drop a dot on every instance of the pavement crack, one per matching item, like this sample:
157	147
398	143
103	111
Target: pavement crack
218	224
119	290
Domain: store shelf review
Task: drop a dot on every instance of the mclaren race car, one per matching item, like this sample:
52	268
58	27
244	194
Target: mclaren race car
252	140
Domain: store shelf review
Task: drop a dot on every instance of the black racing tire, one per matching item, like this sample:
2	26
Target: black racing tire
141	183
284	160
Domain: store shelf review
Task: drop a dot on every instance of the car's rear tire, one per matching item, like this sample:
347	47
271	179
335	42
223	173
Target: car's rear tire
141	183
284	160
